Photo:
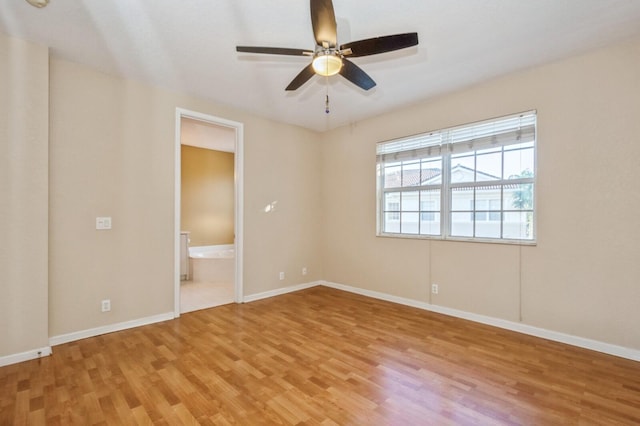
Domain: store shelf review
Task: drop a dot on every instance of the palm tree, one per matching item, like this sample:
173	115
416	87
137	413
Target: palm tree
523	198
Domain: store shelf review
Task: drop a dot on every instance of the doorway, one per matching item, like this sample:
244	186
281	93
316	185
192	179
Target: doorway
195	286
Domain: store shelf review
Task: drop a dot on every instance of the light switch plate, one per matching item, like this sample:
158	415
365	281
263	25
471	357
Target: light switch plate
103	223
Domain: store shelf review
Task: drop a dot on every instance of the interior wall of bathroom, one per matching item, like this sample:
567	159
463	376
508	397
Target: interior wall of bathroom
581	278
207	196
24	185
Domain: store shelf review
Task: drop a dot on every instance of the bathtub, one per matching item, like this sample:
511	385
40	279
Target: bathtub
226	251
213	264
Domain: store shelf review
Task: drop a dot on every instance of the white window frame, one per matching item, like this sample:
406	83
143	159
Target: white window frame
442	145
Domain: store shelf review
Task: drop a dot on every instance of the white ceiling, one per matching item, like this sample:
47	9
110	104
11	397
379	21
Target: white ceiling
189	46
207	135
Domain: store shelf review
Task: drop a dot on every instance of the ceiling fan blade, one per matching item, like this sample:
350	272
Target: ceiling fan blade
274	50
323	20
354	74
373	46
301	78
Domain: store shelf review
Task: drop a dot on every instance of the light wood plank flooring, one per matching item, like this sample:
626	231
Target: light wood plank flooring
320	356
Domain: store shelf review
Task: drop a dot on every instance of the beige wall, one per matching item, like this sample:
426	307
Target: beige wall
112	154
583	276
282	163
207	196
23	187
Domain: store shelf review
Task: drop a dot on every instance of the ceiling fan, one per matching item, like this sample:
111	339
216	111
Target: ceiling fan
329	58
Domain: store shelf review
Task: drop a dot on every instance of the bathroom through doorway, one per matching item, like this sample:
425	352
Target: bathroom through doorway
208	219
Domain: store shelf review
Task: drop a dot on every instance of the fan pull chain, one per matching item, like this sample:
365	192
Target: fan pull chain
326	99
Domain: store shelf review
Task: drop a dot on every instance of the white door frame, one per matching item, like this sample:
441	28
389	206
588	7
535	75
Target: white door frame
238	180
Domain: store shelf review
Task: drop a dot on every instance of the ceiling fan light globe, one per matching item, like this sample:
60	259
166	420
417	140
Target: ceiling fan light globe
327	65
38	3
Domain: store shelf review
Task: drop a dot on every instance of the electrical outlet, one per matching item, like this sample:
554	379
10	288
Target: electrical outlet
106	305
281	276
434	288
304	270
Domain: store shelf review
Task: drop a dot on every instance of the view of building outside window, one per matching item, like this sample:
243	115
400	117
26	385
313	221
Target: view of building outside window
486	194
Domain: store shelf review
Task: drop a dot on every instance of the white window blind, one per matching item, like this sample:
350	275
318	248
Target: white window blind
518	128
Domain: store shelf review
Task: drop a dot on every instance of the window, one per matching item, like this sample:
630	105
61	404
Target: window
427	210
485	210
474	181
393	208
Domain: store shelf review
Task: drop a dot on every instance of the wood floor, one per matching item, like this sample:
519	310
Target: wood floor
320	356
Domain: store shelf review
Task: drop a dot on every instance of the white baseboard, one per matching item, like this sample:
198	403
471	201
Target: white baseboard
620	351
594	345
25	356
83	334
280	291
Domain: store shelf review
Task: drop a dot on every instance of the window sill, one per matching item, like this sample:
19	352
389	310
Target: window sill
460	239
